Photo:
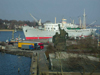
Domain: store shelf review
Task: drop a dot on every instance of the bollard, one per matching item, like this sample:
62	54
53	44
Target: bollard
18	69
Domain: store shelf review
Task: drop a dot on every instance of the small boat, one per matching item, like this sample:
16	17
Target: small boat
15	30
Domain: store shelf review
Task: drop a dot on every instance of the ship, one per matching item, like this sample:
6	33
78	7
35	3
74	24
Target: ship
50	29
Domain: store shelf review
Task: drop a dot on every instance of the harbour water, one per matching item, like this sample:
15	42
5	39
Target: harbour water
9	64
4	35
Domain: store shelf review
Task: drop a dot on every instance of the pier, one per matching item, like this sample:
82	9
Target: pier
33	68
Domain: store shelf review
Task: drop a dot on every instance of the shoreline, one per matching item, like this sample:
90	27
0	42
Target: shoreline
6	29
9	30
20	53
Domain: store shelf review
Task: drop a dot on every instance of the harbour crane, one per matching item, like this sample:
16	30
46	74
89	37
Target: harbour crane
91	23
39	22
72	21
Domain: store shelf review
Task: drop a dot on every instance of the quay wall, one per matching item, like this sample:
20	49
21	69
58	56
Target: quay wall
20	53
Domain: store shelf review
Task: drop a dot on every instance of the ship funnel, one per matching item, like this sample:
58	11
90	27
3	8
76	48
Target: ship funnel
63	21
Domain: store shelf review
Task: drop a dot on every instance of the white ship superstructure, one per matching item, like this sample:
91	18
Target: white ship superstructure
51	28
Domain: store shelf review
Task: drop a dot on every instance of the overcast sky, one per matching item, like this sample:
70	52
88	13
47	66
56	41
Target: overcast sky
49	9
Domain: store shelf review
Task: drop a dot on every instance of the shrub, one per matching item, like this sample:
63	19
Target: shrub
50	49
3	43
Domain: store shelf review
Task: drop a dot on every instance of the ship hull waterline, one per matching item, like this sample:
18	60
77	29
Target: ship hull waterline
32	38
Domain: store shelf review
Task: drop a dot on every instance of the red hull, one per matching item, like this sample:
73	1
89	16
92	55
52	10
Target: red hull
29	38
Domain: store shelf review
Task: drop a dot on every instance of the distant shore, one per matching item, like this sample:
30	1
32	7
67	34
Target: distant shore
8	30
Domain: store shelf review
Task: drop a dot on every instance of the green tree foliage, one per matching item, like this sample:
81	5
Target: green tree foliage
3	43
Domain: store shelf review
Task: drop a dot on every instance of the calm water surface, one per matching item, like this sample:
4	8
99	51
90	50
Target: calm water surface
9	64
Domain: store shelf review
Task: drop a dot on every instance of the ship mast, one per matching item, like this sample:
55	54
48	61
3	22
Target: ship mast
73	21
80	22
55	20
84	20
